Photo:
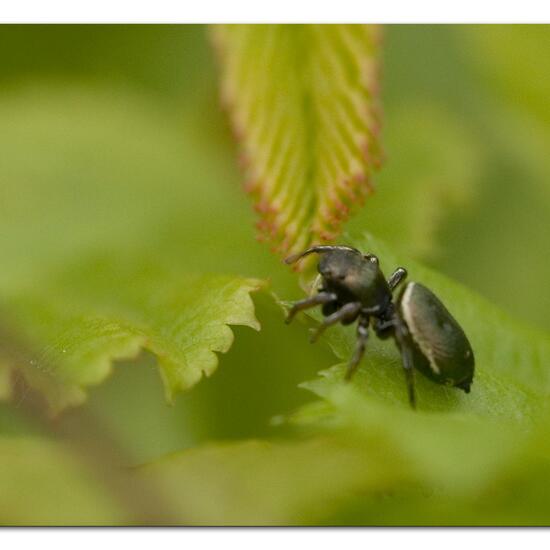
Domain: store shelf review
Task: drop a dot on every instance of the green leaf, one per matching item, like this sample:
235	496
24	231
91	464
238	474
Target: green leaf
370	449
455	445
112	309
303	103
103	239
43	483
266	483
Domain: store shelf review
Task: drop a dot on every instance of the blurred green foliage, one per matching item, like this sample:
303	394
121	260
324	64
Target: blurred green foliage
114	146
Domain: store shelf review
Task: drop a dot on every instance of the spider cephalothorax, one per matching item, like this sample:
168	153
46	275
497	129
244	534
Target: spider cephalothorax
353	288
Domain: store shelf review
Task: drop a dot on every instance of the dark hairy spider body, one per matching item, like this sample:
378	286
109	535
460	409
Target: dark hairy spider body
353	289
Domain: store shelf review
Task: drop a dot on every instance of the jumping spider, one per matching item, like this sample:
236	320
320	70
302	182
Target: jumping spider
353	288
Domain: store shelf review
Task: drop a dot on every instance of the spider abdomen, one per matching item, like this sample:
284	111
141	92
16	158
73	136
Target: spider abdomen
441	350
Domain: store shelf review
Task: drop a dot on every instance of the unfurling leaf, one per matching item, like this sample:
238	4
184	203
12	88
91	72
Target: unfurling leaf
303	100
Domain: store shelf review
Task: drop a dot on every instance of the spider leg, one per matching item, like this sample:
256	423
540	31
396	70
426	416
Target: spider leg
397	277
407	359
306	303
409	375
362	337
345	313
381	326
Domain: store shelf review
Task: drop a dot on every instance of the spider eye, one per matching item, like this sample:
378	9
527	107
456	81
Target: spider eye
372	258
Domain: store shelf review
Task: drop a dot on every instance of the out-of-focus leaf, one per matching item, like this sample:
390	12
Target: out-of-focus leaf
303	103
268	483
433	168
510	490
100	238
5	382
515	58
111	310
455	453
44	484
169	59
109	171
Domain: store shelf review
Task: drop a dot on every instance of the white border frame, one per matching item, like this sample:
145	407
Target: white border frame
282	11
